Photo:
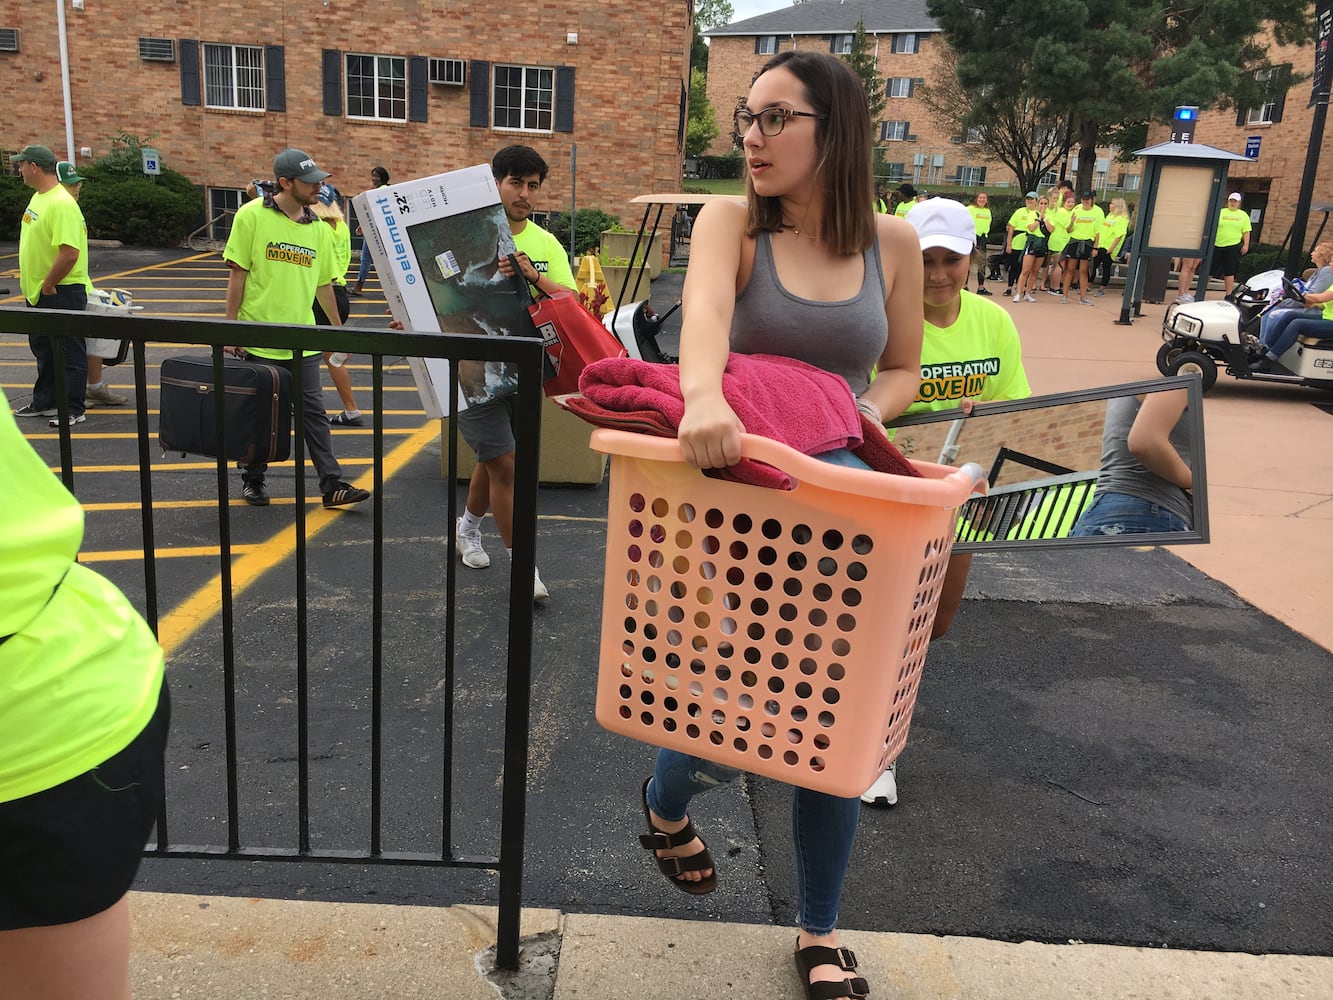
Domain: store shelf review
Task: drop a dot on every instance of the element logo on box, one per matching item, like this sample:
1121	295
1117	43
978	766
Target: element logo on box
290	253
396	245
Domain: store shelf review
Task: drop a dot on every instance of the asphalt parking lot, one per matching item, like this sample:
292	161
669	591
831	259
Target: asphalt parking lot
1114	748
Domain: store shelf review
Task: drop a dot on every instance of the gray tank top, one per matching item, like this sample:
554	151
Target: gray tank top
1122	472
845	338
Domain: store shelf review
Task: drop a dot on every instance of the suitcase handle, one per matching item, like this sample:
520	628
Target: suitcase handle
942	486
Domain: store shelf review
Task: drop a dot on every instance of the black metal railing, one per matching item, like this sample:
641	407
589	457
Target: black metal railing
526	355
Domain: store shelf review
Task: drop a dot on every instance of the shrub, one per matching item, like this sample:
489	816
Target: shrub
720	167
139	211
14	195
589	224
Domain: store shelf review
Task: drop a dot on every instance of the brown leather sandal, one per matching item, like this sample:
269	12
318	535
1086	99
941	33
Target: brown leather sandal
844	958
673	868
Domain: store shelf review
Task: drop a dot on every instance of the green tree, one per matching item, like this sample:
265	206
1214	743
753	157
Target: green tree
1107	66
707	14
1014	128
701	121
861	61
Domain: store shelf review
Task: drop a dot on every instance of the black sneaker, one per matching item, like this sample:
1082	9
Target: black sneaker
255	494
340	494
983	290
28	410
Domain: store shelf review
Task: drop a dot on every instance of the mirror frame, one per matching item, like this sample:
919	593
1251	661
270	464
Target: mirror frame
1191	384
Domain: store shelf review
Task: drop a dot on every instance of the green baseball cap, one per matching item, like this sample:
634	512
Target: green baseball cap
66	174
296	165
40	155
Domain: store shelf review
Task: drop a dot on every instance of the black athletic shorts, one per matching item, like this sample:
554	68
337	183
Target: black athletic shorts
1079	250
1226	261
70	852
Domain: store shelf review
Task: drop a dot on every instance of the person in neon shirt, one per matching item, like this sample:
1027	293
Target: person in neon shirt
981	217
1111	242
1084	227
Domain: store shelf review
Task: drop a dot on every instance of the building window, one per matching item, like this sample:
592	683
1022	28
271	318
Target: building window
377	87
1263	114
222	205
973	135
893	131
842	45
524	97
971	176
906	43
766	45
900	86
234	77
896	171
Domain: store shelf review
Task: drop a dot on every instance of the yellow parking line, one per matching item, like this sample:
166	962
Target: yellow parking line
183	621
127	436
136	555
191	466
158	505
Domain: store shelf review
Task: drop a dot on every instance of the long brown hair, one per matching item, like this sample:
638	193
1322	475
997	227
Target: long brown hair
842	139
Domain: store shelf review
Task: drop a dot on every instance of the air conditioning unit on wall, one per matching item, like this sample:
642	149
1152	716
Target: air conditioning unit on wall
9	39
157	50
448	72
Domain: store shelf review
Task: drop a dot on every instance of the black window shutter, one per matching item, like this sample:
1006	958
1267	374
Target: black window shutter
916	43
333	82
275	78
981	179
1281	83
479	115
757	40
911	86
416	88
564	98
189	57
1241	111
680	123
833	44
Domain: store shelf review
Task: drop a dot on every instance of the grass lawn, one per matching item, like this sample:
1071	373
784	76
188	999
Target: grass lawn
734	186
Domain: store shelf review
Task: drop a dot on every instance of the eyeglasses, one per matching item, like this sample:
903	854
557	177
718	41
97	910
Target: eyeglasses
771	120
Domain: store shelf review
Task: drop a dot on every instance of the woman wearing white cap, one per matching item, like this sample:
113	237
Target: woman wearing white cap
1232	241
970	353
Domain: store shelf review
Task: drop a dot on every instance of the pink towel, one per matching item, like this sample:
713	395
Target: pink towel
789	401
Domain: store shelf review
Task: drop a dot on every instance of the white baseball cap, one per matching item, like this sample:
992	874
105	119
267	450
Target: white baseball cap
1234	196
942	222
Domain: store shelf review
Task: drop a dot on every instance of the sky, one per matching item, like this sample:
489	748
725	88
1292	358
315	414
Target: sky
753	8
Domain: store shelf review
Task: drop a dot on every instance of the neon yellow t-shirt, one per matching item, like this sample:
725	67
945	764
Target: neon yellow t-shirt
81	671
51	220
1020	220
904	207
1232	225
286	262
1087	222
1057	221
980	218
979	357
546	254
342	252
1112	238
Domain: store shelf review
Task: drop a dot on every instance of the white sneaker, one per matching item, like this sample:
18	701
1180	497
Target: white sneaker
1028	298
469	547
884	792
1018	298
1184	299
539	591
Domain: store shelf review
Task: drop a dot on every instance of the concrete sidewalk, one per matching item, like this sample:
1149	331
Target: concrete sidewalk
216	947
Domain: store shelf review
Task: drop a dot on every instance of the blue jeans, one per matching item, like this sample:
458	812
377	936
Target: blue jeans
1302	327
1122	514
823	827
1273	326
75	298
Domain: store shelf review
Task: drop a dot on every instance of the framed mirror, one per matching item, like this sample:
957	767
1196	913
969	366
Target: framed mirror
1049	458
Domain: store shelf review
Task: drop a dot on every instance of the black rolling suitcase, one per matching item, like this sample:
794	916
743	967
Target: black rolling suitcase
257	408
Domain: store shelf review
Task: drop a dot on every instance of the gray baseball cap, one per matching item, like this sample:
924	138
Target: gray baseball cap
296	165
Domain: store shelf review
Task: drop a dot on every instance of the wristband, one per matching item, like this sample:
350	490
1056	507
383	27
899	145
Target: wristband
869	408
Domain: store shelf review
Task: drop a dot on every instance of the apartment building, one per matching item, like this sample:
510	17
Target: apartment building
419	86
908	49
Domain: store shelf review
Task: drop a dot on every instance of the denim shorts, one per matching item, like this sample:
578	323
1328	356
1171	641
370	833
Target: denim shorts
70	852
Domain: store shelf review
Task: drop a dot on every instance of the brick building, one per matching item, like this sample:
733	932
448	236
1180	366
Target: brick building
419	86
1270	183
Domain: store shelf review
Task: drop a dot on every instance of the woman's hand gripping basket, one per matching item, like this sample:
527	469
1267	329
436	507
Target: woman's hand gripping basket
777	632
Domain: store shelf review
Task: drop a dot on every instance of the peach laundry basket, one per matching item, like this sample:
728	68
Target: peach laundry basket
778	632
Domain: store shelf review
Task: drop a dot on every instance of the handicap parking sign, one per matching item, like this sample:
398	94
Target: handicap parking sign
152	162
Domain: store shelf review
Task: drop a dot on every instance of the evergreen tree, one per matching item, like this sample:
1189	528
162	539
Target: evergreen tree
861	61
